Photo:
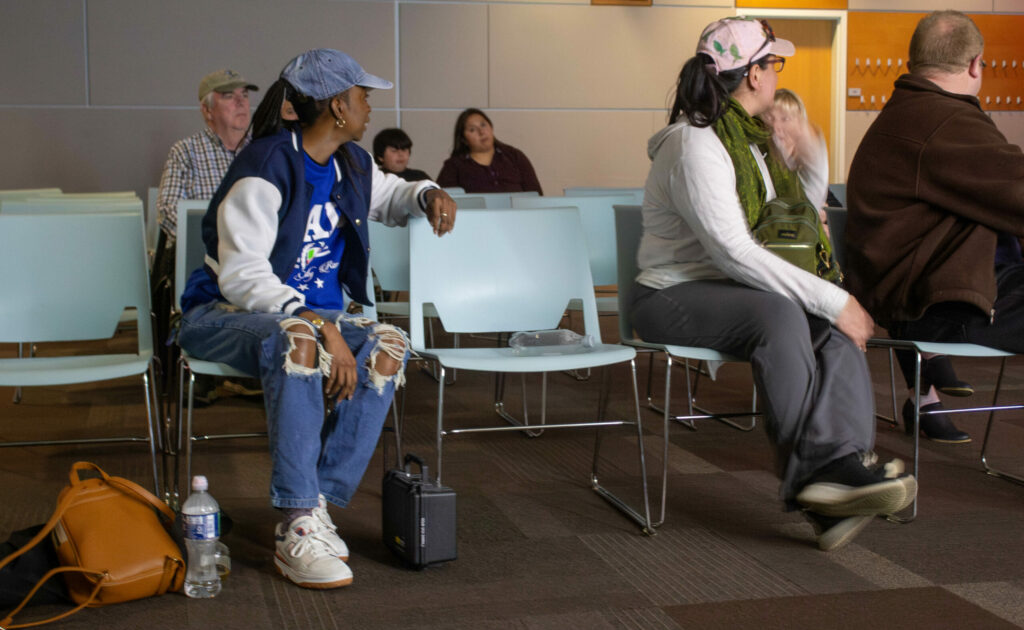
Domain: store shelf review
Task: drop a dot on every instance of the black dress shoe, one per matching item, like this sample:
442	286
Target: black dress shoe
938	371
936	427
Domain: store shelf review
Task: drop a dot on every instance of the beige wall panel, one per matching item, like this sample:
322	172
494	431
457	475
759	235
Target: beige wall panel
443	55
1008	6
431	133
42	52
590	57
857	124
967	6
565	148
95	152
1012	126
145	52
695	3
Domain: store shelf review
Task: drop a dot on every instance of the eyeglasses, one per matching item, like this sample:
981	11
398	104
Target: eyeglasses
778	62
769	34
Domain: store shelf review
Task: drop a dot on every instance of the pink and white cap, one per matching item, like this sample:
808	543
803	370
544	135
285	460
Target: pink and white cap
735	42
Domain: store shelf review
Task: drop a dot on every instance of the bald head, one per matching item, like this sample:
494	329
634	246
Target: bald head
944	42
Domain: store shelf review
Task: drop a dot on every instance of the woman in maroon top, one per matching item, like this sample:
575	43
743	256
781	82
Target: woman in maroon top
481	164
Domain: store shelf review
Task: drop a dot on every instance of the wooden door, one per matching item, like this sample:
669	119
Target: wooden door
809	71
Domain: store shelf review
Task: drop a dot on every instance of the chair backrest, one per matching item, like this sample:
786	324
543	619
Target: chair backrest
63	205
472	202
389	256
25	193
629	228
190	251
67	277
598	226
637	193
501	270
839	190
152	217
495	200
837	233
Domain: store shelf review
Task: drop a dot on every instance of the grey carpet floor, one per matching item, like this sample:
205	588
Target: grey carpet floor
539	549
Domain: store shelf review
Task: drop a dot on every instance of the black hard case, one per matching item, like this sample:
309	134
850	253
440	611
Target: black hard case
418	520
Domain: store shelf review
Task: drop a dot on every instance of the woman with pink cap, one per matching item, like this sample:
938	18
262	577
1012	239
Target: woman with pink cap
705	281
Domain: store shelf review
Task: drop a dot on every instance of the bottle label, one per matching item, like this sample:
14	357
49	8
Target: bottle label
202	526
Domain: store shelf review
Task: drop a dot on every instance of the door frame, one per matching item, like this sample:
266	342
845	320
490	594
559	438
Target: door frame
837	117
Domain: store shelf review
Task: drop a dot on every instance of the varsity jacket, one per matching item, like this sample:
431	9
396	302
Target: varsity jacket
253	230
932	184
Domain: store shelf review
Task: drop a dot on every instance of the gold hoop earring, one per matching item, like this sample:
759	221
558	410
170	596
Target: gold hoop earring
339	123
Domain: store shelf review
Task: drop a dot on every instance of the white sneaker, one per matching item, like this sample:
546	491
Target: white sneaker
330	531
304	555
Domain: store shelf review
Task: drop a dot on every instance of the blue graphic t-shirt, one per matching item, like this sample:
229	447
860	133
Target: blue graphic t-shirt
316	271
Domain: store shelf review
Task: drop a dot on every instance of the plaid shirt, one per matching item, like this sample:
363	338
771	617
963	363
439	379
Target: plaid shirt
193	170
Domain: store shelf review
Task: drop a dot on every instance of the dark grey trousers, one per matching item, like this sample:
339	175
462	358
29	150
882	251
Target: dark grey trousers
818	404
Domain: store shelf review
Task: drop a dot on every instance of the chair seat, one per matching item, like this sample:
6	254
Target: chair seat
34	371
686	352
541	359
212	368
401	309
951	349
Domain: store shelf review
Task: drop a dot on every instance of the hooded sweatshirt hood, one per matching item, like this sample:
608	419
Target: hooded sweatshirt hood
655	142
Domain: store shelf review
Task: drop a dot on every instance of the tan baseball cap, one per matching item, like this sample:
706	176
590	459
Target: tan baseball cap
223	81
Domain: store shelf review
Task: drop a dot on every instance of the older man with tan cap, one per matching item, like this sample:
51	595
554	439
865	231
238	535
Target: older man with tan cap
193	170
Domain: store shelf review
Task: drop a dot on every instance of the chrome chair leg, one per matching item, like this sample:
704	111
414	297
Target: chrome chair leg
988	431
643	520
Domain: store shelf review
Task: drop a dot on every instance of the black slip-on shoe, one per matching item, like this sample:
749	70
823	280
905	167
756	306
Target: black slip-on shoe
936	427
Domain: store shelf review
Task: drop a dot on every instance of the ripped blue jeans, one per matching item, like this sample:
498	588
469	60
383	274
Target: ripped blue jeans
312	452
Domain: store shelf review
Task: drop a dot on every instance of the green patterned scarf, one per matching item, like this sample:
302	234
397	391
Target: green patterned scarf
738	130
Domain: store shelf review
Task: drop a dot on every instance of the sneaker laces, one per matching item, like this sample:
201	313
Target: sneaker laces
312	542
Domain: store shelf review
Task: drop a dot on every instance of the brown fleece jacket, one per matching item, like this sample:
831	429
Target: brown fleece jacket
932	184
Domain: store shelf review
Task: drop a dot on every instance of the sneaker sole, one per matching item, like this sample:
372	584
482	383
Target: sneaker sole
942	441
304	582
833	499
843	532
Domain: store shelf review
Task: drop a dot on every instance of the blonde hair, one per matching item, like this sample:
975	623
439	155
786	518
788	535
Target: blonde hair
790	101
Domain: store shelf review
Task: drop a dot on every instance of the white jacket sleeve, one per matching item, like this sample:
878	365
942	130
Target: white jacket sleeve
246	231
394	200
704	185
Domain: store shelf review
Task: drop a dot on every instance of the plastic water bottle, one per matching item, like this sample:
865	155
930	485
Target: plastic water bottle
540	342
201	516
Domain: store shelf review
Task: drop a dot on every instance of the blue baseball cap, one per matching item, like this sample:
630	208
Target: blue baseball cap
323	72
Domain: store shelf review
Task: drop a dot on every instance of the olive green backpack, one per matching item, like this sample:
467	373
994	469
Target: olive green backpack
791	229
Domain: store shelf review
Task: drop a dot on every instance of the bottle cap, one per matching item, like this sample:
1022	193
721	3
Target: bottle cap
200	484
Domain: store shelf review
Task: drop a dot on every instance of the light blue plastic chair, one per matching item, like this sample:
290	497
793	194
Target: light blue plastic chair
52	201
837	228
492	200
628	231
598	217
637	193
515	270
26	193
188	256
91	268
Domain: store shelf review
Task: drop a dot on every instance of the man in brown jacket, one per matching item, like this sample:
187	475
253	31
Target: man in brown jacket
936	200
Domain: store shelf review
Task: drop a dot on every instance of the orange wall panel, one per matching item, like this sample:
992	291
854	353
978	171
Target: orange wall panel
878	45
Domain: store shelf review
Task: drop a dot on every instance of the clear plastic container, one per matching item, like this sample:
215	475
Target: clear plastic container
540	342
201	517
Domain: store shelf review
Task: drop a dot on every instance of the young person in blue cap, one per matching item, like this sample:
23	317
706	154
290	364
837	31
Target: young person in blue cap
286	236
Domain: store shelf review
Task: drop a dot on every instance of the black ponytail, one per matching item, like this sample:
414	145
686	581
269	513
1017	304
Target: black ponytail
702	95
